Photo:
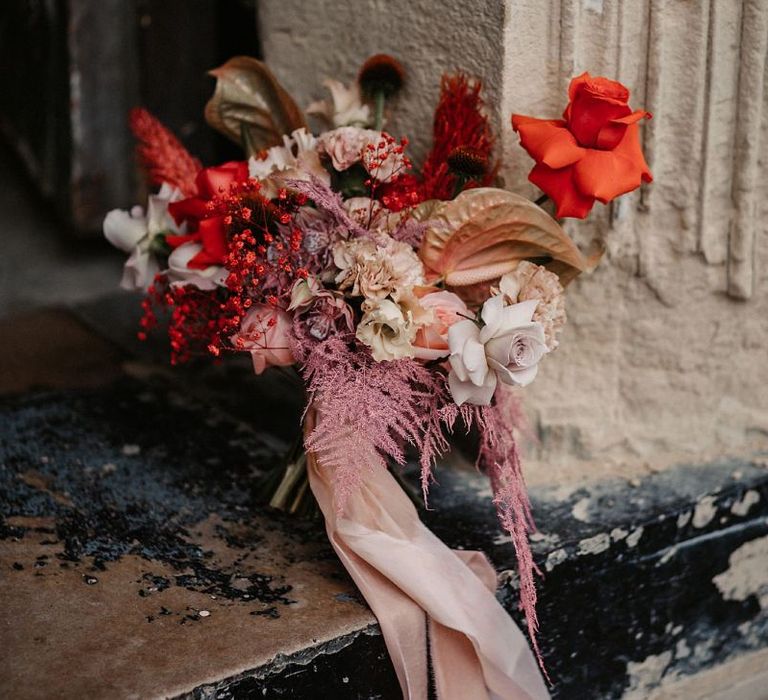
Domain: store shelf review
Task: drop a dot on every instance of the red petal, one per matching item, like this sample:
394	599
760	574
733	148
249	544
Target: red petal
217	180
590	113
176	241
559	185
607	174
631	149
576	84
547	140
613	132
191	209
214	239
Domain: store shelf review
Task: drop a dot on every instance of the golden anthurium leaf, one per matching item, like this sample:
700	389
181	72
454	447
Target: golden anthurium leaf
249	103
483	234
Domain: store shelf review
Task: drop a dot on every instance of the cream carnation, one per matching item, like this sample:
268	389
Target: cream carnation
376	268
529	281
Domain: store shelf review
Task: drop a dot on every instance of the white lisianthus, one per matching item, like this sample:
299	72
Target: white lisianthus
134	232
387	329
507	348
346	108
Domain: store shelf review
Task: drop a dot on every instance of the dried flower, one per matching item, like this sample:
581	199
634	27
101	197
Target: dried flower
381	73
161	153
460	122
468	163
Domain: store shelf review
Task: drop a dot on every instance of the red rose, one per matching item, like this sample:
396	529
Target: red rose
205	223
593	152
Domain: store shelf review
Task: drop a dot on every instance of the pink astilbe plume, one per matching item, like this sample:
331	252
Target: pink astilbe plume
500	460
368	410
328	201
161	154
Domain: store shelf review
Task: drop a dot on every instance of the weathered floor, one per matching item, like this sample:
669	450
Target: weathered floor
137	561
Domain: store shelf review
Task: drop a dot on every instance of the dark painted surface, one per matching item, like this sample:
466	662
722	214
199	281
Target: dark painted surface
636	581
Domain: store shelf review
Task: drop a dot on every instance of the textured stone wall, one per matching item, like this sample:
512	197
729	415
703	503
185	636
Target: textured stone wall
664	358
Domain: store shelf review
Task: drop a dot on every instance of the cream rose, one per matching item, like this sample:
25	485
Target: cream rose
507	348
349	145
344	145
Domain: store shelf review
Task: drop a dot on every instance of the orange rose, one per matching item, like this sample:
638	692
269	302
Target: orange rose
592	153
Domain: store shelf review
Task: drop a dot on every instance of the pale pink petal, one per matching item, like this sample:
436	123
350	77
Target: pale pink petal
474	360
463	392
459	333
492	316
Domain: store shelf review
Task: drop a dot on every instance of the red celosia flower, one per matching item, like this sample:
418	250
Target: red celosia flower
592	153
161	154
205	219
459	123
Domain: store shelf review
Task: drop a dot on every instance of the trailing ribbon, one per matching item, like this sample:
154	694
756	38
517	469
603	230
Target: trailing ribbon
433	604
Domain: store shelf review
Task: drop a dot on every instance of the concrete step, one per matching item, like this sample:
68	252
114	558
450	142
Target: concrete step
137	561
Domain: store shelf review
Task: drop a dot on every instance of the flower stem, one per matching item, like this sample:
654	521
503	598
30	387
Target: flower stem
247	141
380	99
294	473
461	183
541	200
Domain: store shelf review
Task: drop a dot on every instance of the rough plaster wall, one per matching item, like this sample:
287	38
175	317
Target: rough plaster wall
307	42
664	358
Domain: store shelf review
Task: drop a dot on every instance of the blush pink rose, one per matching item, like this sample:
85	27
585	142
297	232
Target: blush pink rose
431	342
266	333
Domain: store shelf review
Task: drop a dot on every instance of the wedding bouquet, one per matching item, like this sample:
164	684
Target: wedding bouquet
411	301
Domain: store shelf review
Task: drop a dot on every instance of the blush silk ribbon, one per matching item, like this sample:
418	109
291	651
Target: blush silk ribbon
430	601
